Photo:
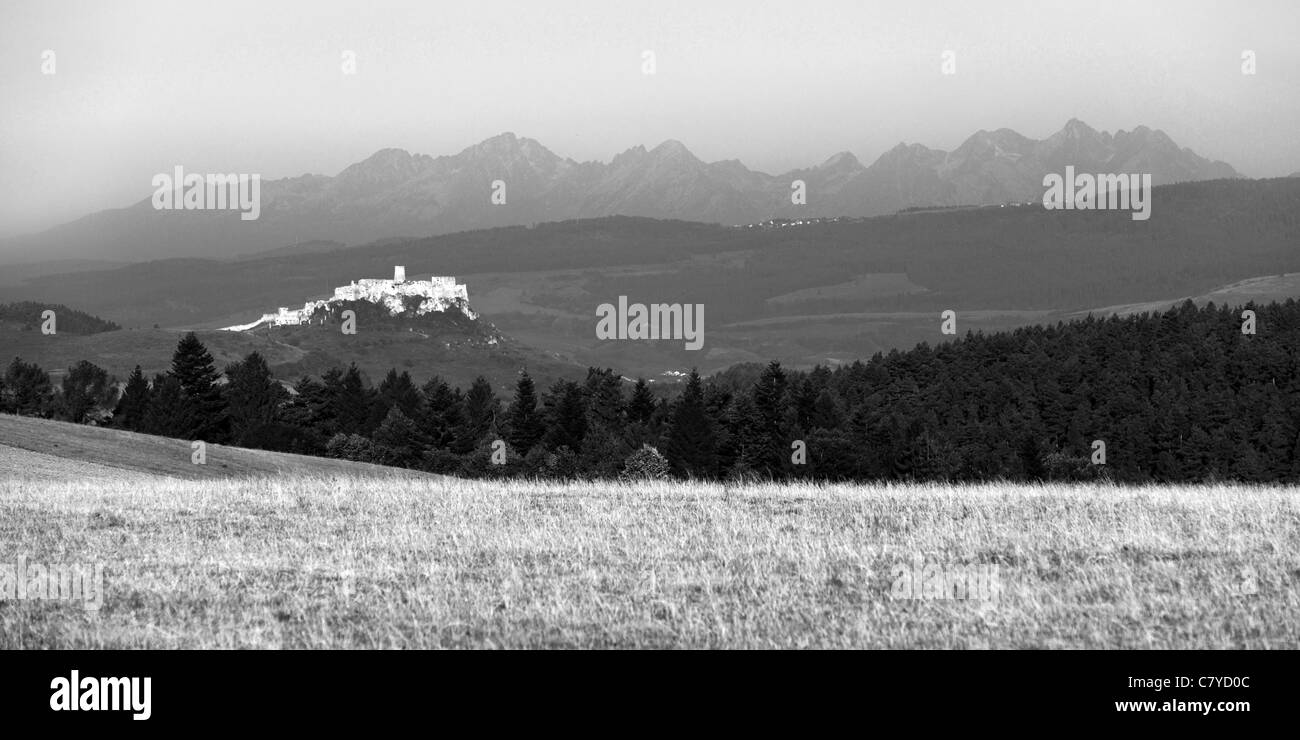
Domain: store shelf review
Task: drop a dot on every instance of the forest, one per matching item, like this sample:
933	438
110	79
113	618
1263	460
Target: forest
1182	396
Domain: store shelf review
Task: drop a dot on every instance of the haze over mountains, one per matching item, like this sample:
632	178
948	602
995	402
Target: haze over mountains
395	193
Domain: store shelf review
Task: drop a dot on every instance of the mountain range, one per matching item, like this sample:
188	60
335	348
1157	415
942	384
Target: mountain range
394	193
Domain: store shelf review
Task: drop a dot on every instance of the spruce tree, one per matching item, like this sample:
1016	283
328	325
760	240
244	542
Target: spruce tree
165	415
524	420
398	441
350	401
254	399
442	413
398	390
566	416
203	409
604	446
770	399
642	404
691	443
134	404
482	407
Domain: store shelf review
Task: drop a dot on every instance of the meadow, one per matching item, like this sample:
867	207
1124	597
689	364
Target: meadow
356	561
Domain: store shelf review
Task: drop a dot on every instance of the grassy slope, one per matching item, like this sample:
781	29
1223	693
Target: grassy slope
302	561
40	448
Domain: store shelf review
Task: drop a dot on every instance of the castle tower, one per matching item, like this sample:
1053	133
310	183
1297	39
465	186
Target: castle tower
399	274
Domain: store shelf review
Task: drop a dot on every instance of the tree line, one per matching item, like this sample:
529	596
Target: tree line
1182	395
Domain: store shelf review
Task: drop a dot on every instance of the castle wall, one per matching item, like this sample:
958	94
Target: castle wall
439	293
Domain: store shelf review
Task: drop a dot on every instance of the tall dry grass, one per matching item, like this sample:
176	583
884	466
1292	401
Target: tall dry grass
362	563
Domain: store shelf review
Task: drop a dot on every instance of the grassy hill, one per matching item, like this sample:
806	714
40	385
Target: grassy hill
56	450
1260	290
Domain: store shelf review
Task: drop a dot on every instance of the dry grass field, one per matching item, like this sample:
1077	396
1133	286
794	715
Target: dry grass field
302	561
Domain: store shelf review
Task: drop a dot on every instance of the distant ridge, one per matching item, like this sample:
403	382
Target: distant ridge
394	193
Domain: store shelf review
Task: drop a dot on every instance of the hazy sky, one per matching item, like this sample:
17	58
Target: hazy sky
258	87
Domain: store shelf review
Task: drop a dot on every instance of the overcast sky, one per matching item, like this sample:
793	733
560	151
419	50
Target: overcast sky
258	87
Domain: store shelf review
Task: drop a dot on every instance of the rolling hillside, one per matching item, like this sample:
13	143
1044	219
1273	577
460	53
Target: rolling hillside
56	450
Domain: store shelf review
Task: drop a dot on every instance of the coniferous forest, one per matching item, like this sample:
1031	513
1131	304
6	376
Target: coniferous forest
1182	396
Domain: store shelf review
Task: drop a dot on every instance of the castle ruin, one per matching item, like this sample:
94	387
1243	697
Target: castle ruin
438	293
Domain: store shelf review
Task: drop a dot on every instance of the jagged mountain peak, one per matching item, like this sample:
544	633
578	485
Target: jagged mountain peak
385	167
394	193
1075	128
673	149
904	152
840	160
384	158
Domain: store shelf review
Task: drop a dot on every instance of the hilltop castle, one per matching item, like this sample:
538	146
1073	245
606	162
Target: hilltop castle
438	293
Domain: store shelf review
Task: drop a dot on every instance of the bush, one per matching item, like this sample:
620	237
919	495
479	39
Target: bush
645	464
441	461
352	447
562	464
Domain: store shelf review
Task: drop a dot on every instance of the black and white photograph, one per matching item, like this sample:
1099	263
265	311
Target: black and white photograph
917	328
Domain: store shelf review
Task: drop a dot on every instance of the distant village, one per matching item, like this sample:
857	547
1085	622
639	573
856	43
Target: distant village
782	223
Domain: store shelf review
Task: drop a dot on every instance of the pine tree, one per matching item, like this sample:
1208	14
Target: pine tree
442	413
772	437
398	441
604	394
745	421
691	443
642	404
307	417
524	420
134	404
482	407
400	391
203	409
566	416
349	400
804	403
254	399
826	412
166	410
604	447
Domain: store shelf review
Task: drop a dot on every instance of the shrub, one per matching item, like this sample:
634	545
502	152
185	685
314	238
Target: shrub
350	447
645	464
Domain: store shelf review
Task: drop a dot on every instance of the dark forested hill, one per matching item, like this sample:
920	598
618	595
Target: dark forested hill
28	316
1182	395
